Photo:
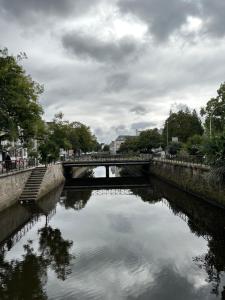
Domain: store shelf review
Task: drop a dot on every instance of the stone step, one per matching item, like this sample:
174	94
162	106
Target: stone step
29	197
34	180
32	186
38	173
29	192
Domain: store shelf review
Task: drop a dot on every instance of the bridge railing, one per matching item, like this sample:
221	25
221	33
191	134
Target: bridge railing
193	159
141	157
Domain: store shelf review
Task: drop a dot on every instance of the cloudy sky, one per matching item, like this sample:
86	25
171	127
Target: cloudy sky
118	65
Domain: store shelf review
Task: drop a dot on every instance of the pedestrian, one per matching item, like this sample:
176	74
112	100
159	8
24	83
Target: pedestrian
7	161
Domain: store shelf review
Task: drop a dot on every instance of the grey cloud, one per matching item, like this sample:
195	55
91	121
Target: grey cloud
139	110
142	125
165	17
86	46
162	16
213	15
26	11
116	82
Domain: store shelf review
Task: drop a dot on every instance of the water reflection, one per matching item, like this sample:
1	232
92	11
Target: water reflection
144	243
23	279
26	278
55	251
75	199
205	221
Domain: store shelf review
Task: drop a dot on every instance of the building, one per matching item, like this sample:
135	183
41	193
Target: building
115	145
14	148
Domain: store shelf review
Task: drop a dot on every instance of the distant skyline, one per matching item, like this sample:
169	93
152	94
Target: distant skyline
118	65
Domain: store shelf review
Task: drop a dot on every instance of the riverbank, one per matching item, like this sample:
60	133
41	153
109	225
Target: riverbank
12	184
191	178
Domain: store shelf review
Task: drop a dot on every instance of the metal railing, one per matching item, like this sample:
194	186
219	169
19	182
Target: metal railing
194	159
8	166
138	157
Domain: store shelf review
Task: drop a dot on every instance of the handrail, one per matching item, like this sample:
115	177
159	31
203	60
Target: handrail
8	166
90	158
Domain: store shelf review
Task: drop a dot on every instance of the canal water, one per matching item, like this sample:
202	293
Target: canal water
137	243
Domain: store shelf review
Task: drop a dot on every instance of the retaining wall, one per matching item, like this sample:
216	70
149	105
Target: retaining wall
53	178
192	178
12	185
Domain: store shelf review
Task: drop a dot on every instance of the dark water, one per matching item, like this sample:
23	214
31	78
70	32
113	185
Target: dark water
149	243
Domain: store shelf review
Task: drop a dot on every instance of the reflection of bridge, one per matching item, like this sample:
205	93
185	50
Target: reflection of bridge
112	192
106	183
114	160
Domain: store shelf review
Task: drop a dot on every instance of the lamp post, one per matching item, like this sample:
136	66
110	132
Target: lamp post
167	132
210	119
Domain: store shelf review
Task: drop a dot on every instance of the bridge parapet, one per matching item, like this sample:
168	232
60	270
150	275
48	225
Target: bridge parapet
110	158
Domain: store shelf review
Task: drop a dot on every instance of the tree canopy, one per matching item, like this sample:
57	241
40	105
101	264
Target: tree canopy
183	125
215	109
62	134
20	112
145	142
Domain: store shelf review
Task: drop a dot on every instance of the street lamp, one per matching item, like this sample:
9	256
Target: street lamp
210	119
167	132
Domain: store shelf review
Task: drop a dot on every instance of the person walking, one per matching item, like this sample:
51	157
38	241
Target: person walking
7	161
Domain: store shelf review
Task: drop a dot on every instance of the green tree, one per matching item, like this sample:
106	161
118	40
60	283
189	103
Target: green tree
130	145
215	110
149	139
183	125
174	147
106	148
20	112
62	134
55	138
214	149
194	145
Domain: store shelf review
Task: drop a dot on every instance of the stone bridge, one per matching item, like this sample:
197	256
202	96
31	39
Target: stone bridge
107	161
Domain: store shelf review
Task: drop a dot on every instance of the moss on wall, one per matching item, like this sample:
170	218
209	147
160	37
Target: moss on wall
189	177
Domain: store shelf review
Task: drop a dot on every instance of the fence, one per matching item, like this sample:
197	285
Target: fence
108	157
196	159
8	166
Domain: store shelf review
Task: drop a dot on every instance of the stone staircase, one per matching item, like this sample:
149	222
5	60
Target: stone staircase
32	186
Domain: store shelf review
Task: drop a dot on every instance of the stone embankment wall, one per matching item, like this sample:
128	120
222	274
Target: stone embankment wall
53	178
192	178
11	185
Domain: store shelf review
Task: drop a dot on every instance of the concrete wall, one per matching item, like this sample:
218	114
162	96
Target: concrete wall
192	178
11	186
52	179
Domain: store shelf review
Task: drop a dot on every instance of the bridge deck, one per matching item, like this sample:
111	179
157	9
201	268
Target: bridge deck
93	163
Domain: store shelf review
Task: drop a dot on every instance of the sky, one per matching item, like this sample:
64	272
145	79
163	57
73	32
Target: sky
118	66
